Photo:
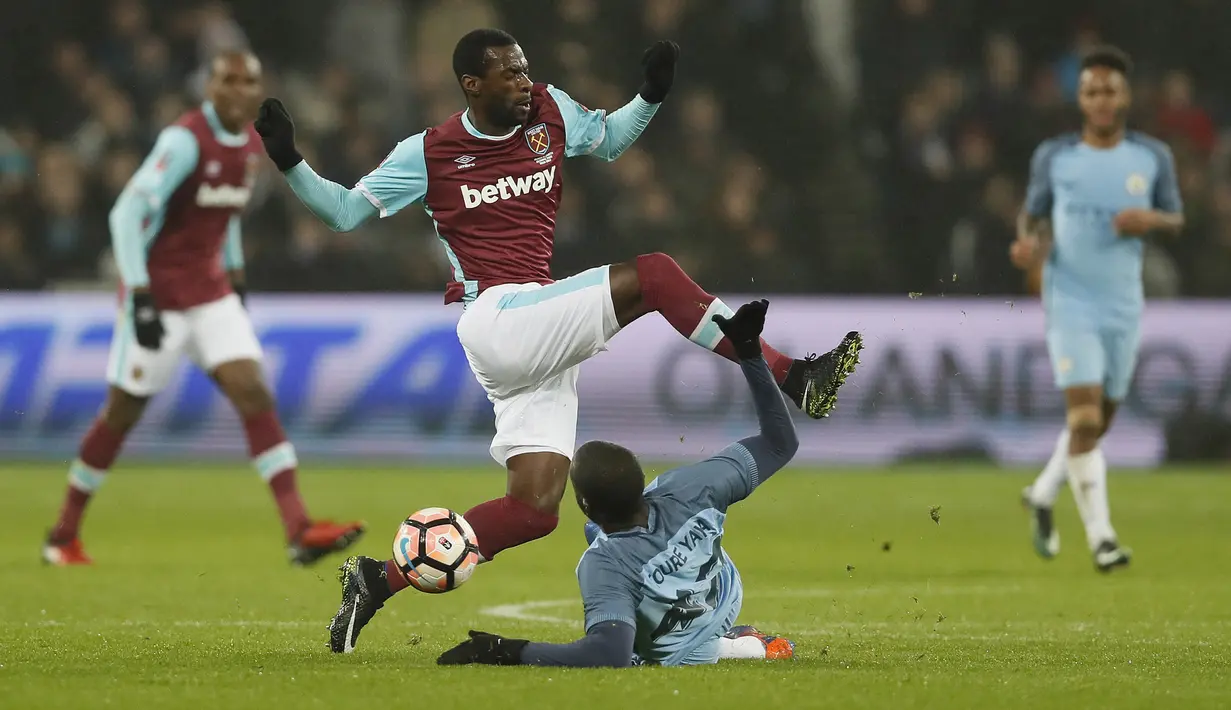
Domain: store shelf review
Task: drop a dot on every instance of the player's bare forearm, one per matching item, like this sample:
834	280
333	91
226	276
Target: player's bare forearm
335	206
607	645
776	444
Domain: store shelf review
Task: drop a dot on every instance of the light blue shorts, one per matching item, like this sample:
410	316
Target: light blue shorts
1093	356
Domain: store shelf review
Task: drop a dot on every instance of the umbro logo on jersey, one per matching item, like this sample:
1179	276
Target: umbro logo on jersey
509	187
466	161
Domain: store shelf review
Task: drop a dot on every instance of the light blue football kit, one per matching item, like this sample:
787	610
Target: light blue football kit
1092	285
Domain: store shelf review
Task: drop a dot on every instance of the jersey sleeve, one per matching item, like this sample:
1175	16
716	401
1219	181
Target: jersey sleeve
717	482
233	249
584	129
1039	196
597	133
607	594
172	160
399	180
1167	185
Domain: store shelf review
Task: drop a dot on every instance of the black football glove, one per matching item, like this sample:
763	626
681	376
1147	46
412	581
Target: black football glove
277	130
744	328
659	65
241	291
486	649
147	321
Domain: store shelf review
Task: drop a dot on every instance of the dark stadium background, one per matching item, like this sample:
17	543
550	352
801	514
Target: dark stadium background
818	148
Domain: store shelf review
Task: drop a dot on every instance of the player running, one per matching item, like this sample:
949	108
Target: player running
1092	197
184	295
656	585
490	179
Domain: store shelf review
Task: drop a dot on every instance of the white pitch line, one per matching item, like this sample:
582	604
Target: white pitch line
524	611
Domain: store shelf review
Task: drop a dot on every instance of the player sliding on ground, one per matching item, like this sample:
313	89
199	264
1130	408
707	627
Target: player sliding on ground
1092	197
490	179
656	585
183	294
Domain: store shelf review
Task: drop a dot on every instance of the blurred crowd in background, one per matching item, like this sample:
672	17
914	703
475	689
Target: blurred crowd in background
819	146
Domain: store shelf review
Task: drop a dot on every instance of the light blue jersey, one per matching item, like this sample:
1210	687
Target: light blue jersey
1092	285
671	580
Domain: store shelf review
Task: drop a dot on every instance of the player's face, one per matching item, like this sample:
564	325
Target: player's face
505	90
235	89
1104	98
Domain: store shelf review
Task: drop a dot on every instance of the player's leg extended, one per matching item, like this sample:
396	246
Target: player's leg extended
1040	498
134	374
223	343
274	458
656	283
99	450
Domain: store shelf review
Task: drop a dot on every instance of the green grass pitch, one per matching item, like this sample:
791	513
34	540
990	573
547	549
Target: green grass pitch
191	599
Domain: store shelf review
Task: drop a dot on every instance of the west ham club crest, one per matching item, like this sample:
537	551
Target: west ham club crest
538	138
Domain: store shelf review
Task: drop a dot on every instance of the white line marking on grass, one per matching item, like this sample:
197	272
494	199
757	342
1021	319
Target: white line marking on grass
886	590
525	611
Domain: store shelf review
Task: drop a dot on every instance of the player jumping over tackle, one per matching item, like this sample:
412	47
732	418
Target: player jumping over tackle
490	179
1092	197
656	585
168	228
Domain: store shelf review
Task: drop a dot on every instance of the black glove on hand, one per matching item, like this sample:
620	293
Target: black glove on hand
659	64
147	321
744	328
486	649
277	130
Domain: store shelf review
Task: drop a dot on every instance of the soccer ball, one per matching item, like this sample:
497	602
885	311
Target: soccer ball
436	550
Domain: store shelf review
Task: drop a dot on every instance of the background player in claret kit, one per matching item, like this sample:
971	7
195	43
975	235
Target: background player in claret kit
656	585
168	230
1092	197
489	178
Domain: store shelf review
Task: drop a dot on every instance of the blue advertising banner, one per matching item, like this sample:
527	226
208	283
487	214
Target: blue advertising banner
384	376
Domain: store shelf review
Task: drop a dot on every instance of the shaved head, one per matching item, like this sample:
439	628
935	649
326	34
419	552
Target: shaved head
608	482
235	88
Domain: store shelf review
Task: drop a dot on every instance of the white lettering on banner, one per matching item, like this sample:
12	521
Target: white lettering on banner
223	196
365	376
506	188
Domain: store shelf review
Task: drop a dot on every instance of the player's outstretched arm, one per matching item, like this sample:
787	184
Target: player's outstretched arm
775	445
610	601
607	136
338	208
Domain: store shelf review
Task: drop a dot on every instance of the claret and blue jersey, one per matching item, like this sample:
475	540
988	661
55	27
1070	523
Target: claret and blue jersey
1092	284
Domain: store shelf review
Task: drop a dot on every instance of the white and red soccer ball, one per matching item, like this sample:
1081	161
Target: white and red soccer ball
436	549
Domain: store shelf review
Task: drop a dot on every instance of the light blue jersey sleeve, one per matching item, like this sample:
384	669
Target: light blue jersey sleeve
1039	194
607	594
398	181
1167	185
139	211
233	249
597	133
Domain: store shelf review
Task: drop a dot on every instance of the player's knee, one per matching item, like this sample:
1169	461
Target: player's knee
657	262
1085	422
250	396
122	410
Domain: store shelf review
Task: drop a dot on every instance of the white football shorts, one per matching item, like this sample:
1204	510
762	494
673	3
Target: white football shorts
524	343
210	334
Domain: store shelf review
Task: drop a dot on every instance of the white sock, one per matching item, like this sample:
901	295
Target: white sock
741	648
1088	479
1047	486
